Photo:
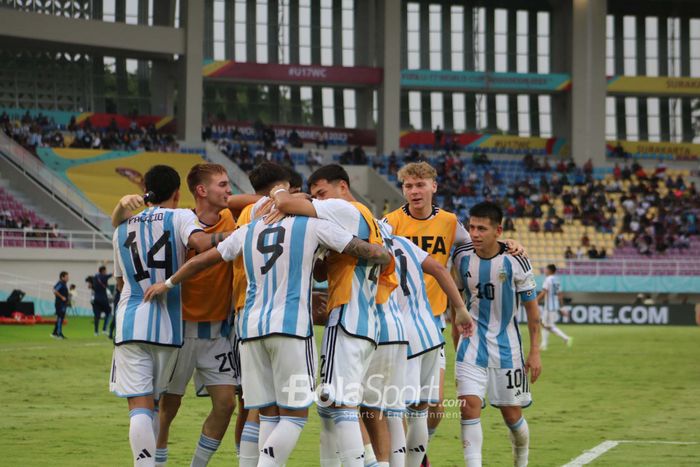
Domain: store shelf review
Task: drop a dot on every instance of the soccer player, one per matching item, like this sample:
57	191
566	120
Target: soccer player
435	231
552	296
100	303
354	288
60	290
492	361
149	247
263	177
275	328
206	305
421	373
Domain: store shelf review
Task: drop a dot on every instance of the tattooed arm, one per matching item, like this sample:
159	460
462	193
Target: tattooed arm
373	253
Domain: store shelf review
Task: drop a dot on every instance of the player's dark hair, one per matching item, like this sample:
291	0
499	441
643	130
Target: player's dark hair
266	175
102	268
330	173
487	210
62	274
163	181
552	268
295	179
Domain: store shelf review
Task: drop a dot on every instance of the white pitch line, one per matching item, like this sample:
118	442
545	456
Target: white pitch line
42	347
589	456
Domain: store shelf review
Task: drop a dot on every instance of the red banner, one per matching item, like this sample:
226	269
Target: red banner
311	134
307	74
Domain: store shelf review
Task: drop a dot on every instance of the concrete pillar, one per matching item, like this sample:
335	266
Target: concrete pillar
388	14
446	48
686	105
664	115
143	70
365	25
512	63
122	101
98	68
230	92
294	58
273	44
337	28
316	92
589	83
209	29
189	106
560	27
532	68
642	112
619	44
162	71
490	33
470	97
424	39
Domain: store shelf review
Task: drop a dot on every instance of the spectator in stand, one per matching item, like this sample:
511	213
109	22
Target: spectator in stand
321	141
569	254
437	136
592	252
580	252
295	140
602	254
585	241
549	226
508	225
534	226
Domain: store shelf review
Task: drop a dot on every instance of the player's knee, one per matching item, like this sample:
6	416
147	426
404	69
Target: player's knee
224	407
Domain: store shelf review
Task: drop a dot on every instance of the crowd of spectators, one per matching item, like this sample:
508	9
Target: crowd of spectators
41	131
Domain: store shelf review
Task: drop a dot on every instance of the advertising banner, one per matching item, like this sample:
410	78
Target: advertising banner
652	149
299	74
654	85
657	315
484	81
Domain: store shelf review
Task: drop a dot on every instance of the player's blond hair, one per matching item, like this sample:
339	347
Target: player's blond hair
418	170
202	173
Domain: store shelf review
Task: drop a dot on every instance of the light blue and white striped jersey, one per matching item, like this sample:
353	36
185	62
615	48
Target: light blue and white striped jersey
392	329
278	260
422	328
148	248
359	316
494	288
552	287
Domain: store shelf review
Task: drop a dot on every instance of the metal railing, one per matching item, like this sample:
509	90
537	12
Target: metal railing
61	191
35	238
681	266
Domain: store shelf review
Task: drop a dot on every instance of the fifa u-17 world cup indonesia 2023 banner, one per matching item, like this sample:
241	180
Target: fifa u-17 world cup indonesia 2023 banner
683	315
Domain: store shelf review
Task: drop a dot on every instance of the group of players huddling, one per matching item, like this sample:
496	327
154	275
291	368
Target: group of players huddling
246	329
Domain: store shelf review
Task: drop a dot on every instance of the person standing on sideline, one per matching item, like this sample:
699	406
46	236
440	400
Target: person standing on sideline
492	361
101	302
60	290
552	296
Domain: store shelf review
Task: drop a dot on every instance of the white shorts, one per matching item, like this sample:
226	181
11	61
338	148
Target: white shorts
385	380
278	370
140	369
211	358
504	386
344	363
423	377
549	317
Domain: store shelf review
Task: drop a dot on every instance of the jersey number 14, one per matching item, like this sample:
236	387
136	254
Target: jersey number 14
151	261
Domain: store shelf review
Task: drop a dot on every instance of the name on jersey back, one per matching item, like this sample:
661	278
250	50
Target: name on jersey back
158	216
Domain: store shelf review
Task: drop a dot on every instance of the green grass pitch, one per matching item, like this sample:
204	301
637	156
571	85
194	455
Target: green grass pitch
617	383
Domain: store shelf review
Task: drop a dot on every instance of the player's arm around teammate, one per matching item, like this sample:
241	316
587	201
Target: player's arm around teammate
199	241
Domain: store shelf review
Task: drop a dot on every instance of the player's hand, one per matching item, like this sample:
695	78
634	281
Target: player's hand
132	202
464	322
275	215
515	248
154	291
281	188
533	366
